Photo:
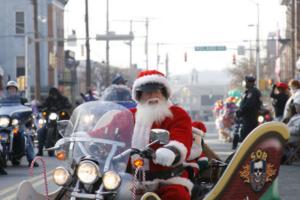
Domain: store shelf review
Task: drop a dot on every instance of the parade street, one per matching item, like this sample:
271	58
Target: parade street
289	176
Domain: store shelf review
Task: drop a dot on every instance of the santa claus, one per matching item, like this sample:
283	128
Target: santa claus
197	160
151	91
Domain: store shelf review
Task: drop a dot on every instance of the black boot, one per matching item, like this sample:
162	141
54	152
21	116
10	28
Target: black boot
235	141
34	165
2	171
40	152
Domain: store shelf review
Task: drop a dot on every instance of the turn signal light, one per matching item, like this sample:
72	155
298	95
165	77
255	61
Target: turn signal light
138	163
61	155
15	131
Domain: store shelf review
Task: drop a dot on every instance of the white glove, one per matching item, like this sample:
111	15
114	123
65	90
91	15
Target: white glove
164	156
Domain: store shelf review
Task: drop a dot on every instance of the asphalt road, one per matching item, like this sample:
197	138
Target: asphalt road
289	176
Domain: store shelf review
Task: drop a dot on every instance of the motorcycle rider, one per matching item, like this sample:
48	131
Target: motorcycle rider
165	173
12	92
294	129
249	107
55	102
119	92
151	91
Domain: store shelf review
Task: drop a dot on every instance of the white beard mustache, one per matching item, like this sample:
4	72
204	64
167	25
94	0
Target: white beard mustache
147	114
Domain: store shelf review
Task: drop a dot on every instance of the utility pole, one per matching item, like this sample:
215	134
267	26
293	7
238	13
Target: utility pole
157	56
37	91
130	46
146	44
107	45
88	61
257	49
167	65
294	37
27	70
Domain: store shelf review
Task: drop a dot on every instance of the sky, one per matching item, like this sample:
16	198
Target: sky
178	25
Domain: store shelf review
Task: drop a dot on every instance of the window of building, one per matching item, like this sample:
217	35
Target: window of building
20	63
20	23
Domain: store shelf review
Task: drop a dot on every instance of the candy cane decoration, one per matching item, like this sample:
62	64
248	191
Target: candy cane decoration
44	173
135	182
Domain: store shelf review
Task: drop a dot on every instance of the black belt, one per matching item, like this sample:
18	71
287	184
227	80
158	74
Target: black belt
166	174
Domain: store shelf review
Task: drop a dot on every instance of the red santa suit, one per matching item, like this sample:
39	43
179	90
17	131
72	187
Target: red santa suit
178	123
197	160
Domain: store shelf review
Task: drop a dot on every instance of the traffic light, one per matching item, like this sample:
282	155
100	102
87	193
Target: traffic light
233	59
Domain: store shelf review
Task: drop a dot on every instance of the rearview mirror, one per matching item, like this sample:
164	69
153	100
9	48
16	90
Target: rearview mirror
162	135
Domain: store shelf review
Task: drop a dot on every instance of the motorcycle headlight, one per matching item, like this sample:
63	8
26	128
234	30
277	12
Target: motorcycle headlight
61	176
41	122
111	180
15	122
88	172
4	122
260	119
53	116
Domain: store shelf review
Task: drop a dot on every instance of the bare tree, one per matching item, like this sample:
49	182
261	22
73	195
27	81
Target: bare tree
238	72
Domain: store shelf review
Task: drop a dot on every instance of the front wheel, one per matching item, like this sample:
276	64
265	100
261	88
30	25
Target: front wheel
50	153
3	159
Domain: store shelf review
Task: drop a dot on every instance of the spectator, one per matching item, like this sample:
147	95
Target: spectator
280	95
289	109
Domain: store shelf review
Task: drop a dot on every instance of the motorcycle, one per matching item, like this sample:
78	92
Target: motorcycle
47	122
96	142
15	119
265	115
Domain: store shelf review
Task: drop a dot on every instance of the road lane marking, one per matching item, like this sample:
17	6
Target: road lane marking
32	180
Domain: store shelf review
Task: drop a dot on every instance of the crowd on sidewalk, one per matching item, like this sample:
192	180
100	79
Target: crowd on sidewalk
237	115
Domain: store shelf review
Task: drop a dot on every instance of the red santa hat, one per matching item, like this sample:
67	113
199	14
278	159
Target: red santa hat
199	127
150	77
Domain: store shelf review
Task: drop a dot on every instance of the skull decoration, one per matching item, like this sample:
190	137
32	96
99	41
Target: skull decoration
258	175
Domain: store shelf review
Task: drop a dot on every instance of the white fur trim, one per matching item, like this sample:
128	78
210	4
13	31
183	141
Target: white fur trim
172	181
180	147
203	158
191	164
197	131
150	79
180	181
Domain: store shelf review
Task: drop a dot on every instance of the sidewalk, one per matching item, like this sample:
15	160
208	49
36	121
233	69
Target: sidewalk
289	181
289	175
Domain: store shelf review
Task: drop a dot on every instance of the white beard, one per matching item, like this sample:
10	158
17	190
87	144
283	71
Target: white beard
146	115
196	150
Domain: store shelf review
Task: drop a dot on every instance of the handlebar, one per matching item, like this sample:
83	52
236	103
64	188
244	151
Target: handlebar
146	152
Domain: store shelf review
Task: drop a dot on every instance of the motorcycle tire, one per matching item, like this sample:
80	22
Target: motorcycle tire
3	160
51	153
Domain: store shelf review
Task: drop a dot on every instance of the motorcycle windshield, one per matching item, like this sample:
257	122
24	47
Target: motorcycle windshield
10	100
99	131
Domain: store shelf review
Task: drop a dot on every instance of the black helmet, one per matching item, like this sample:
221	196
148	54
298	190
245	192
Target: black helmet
54	92
250	78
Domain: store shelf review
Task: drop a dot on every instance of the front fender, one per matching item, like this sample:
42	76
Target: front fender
27	192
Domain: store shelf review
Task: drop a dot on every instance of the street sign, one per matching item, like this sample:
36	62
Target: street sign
210	48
